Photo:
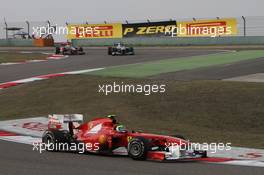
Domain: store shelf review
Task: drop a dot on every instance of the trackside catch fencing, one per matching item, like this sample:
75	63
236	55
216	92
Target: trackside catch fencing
25	33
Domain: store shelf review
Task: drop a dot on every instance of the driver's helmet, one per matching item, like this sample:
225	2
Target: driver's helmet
67	46
119	44
112	117
120	128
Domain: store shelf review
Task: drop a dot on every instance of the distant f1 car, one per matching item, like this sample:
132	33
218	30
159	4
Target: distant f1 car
120	49
68	49
106	136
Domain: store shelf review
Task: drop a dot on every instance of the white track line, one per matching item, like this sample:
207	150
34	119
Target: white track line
83	71
43	77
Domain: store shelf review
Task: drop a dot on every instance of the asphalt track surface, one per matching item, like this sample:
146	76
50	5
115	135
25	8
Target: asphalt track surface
94	58
21	159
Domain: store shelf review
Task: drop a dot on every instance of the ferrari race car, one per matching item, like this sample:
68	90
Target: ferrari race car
106	136
68	49
120	49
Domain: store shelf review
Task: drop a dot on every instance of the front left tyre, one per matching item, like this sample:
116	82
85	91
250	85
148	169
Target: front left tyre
52	138
138	148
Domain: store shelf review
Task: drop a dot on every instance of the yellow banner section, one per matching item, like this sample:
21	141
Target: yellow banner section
212	28
84	31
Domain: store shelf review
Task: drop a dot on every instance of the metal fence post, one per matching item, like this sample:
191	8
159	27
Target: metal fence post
6	28
48	23
244	24
28	30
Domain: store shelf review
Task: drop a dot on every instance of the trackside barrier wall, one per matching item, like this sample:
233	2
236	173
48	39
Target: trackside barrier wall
176	41
16	43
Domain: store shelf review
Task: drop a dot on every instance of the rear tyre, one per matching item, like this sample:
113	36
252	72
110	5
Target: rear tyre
123	52
57	50
204	155
109	51
80	49
132	51
138	148
74	52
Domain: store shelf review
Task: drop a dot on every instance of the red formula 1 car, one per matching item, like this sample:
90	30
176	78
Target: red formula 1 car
68	49
106	136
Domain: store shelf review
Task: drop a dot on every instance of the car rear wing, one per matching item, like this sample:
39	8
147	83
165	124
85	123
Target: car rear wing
60	121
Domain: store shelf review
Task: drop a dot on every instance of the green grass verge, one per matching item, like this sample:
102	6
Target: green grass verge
11	57
179	64
204	111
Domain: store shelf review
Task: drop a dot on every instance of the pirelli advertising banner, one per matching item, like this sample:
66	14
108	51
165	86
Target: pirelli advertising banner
148	29
212	28
85	31
198	28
